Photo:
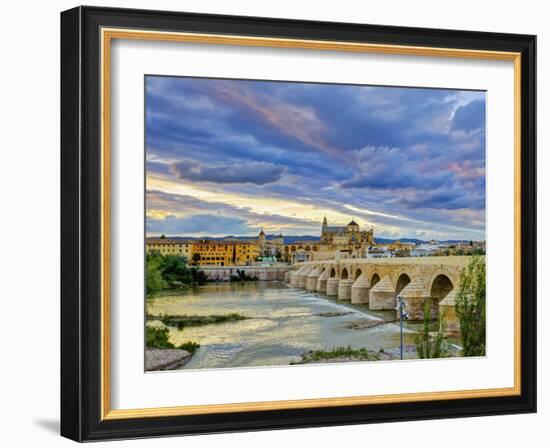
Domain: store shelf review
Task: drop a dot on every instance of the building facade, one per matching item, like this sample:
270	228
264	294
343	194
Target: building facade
167	246
207	252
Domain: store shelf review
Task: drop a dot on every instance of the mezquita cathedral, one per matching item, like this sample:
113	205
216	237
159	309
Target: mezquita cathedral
335	241
350	235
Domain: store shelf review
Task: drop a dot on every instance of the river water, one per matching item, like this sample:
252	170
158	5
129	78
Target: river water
284	323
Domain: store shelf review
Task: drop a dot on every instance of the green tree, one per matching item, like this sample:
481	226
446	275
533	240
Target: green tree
154	281
166	271
157	337
426	346
470	307
175	270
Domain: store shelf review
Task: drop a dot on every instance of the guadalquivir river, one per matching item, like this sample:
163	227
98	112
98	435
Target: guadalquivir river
284	323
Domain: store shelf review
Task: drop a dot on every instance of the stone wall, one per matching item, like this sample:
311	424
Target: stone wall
261	272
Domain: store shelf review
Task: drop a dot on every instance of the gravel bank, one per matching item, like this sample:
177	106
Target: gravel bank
165	359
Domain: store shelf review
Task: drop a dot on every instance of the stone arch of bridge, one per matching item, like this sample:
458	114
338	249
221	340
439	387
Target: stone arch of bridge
402	280
332	272
344	274
440	285
358	272
375	278
445	273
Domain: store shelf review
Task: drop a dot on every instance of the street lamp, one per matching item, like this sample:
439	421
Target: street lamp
402	316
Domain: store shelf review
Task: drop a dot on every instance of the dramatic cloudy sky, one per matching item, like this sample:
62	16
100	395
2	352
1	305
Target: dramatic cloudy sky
227	157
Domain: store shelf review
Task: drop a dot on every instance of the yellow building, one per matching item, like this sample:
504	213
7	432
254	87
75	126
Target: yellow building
224	253
167	246
207	252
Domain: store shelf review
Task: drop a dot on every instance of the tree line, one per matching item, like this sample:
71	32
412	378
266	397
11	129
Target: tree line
165	272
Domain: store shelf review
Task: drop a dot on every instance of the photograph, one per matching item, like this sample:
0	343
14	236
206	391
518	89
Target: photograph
291	223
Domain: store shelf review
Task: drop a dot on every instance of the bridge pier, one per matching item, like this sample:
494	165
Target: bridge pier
448	313
311	279
302	278
287	277
344	289
332	286
360	290
414	297
322	282
382	295
294	277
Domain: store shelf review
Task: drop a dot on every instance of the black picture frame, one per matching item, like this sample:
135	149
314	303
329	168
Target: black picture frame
81	224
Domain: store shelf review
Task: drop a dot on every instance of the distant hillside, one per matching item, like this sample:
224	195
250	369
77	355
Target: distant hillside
403	240
294	238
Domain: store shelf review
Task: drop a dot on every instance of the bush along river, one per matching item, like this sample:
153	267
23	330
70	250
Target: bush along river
243	324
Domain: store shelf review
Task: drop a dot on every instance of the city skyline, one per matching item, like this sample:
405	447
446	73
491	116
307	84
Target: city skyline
228	157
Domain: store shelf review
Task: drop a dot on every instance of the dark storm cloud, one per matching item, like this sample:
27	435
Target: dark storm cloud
259	173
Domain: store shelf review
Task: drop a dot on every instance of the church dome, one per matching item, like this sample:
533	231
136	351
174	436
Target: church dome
262	232
352	223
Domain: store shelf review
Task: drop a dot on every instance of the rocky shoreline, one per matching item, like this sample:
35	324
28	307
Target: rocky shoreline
356	355
165	359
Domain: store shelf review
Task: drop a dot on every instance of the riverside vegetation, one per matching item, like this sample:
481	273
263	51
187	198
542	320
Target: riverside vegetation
339	354
158	338
169	272
194	321
471	307
428	346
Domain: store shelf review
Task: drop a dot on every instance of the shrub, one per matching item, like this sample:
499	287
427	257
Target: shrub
189	346
426	346
157	338
470	307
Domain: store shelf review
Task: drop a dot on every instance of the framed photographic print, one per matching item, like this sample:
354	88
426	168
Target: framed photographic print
276	224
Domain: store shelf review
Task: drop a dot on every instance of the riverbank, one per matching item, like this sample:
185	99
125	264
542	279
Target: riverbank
165	359
161	354
348	354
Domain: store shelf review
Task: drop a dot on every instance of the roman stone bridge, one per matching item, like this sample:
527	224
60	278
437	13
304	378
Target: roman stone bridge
378	282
